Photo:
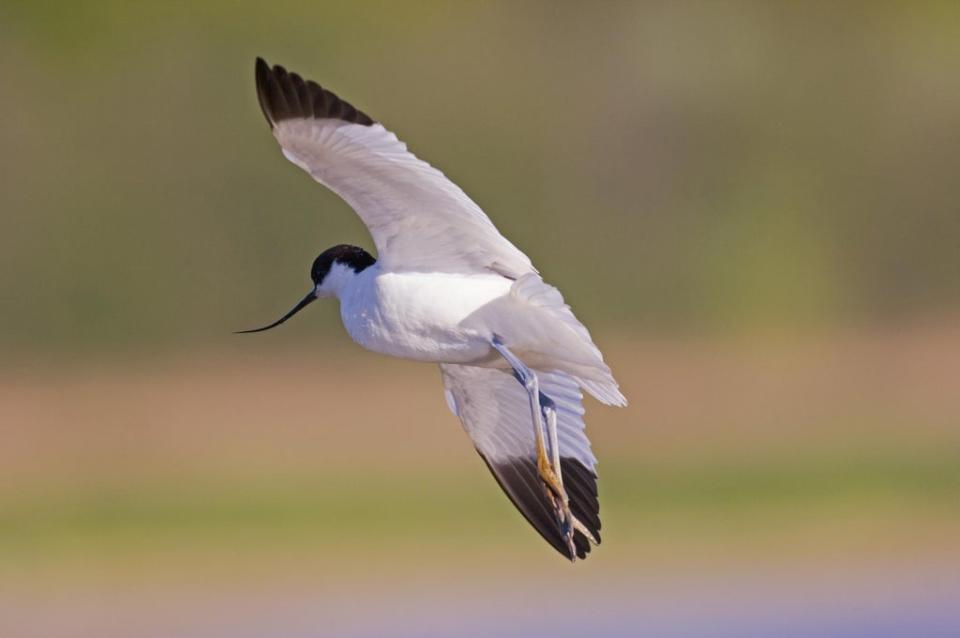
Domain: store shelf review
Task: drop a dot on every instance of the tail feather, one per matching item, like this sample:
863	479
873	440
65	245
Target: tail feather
587	366
606	392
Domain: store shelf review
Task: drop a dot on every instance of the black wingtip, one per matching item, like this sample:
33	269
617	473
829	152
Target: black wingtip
262	74
519	481
284	96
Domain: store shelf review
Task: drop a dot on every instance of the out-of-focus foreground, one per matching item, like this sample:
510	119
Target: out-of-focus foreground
753	208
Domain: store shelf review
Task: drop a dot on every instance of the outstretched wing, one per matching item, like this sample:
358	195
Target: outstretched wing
494	410
418	218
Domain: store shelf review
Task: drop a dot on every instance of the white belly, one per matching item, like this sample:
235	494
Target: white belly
420	316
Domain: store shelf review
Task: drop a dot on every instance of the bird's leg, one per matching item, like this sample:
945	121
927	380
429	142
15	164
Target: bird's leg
550	414
556	492
549	472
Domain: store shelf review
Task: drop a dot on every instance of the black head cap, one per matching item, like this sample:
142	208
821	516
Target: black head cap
353	256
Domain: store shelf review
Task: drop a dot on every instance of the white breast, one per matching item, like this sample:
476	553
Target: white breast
420	315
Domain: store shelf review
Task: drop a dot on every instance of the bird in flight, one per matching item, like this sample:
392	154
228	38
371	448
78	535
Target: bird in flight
446	287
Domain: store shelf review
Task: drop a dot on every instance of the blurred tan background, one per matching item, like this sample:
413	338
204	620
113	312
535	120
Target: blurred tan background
753	207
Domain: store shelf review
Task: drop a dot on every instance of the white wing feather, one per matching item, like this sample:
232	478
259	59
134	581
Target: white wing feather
419	219
494	409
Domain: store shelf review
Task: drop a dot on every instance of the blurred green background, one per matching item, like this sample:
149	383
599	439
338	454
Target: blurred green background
753	206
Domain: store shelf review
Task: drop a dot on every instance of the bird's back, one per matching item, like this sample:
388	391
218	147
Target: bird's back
421	316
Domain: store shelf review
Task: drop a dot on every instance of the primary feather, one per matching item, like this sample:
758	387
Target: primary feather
419	219
493	409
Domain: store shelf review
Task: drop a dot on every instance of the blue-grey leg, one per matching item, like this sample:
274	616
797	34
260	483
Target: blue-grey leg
542	407
549	409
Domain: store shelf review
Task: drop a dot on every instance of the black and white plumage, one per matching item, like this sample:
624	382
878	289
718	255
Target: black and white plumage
447	287
417	217
490	405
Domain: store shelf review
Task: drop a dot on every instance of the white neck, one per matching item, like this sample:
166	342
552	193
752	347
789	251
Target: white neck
336	281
